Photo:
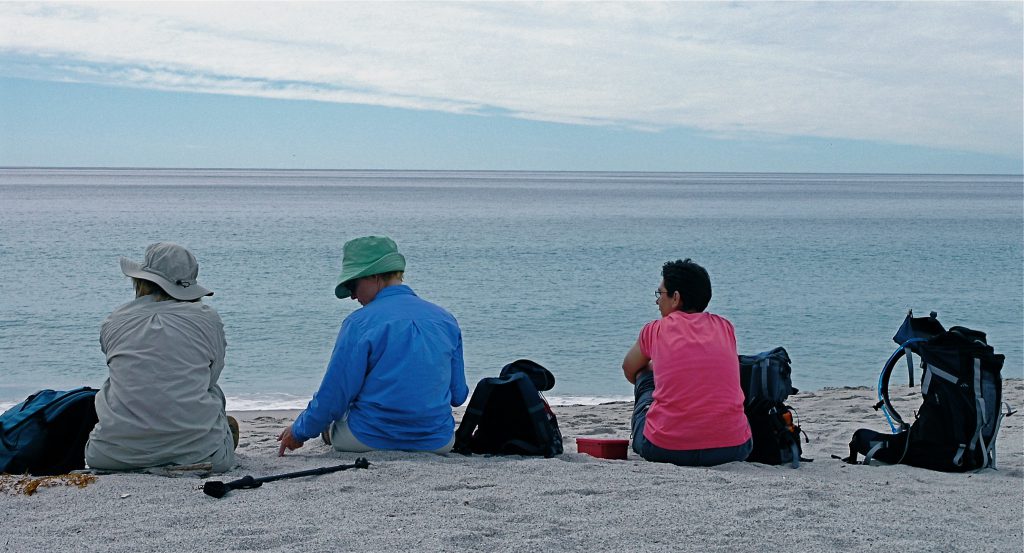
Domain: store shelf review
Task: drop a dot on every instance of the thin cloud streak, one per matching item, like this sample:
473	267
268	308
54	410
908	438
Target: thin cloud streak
945	75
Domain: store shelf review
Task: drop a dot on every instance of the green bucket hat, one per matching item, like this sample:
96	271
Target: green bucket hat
367	256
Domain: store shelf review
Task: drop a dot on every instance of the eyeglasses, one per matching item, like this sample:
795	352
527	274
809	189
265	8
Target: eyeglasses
657	294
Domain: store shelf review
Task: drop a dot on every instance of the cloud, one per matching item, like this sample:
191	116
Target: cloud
946	75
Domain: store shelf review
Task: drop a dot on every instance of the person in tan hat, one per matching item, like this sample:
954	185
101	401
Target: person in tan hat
397	367
161	404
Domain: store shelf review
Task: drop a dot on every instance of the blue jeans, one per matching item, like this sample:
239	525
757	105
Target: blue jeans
644	396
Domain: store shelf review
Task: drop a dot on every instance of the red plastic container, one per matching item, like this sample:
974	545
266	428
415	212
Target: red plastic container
602	448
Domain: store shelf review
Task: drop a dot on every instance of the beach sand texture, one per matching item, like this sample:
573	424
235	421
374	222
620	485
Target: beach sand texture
425	502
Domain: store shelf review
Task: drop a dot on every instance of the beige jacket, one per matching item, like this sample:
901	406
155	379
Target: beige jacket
161	404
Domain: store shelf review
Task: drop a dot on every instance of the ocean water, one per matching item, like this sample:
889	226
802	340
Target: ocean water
557	267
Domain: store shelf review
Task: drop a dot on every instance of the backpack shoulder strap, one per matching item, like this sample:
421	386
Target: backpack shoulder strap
471	418
795	452
991	452
756	386
981	419
537	410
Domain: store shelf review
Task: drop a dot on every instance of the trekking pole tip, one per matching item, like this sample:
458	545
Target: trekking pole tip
362	463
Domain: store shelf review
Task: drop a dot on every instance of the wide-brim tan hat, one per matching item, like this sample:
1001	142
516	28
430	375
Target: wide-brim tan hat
170	267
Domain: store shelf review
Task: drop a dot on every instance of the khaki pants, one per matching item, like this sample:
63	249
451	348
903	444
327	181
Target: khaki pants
342	439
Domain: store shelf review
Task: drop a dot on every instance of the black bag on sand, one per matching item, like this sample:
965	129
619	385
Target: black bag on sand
508	416
766	383
776	434
46	434
956	427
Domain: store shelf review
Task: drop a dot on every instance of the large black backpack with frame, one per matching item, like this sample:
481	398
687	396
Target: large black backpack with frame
956	427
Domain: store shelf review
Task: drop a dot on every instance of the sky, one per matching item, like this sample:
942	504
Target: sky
857	87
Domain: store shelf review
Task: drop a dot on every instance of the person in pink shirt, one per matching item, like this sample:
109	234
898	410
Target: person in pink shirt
686	377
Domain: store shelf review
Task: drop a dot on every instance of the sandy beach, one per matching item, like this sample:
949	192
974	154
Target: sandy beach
427	502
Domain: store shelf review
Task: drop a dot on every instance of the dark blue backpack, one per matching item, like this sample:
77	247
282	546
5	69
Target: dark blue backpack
767	382
46	433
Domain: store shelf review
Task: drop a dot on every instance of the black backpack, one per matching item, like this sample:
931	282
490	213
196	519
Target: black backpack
766	381
956	427
508	416
46	433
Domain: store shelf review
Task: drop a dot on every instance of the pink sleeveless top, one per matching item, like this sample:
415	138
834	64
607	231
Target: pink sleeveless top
698	402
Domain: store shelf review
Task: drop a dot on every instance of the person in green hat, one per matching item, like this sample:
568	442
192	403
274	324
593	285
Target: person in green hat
397	367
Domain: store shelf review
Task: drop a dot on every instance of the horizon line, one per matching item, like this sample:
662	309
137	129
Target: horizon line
151	168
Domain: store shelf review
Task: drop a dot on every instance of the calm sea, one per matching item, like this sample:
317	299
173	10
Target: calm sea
557	267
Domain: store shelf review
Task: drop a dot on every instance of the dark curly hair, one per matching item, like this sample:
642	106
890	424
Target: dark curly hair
691	281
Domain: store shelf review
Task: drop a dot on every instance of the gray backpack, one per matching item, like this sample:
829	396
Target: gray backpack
774	426
766	376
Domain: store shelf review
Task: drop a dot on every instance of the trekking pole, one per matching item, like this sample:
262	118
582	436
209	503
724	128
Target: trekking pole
218	489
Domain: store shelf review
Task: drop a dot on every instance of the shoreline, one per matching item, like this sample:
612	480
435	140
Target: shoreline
297	404
300	403
573	502
553	400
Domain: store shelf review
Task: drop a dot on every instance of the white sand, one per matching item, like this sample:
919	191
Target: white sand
424	502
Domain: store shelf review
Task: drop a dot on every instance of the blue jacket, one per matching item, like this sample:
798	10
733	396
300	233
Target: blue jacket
397	370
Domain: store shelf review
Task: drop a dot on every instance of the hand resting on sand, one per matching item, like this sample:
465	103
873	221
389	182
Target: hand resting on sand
287	441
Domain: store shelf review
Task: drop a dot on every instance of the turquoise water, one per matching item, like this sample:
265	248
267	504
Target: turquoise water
557	267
